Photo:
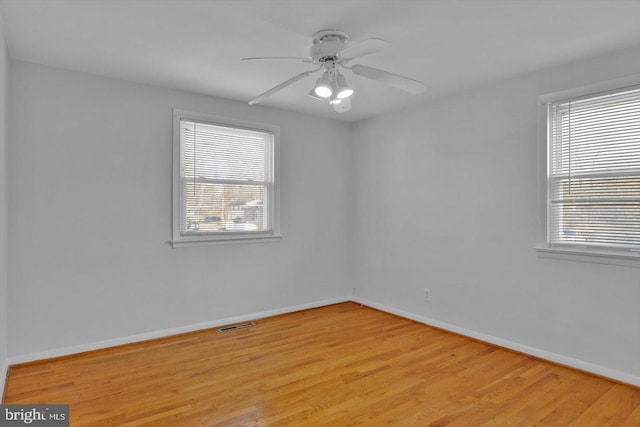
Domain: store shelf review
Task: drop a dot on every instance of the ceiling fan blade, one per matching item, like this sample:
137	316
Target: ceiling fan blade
365	47
281	86
295	58
395	80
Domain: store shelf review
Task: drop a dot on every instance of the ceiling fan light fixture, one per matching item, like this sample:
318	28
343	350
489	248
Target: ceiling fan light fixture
323	86
343	88
312	93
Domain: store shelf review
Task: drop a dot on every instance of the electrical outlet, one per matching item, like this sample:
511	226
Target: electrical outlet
427	294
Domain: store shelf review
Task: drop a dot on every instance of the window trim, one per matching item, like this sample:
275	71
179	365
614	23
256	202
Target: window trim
629	257
179	240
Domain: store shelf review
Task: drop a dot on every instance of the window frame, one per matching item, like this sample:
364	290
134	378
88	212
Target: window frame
623	257
272	191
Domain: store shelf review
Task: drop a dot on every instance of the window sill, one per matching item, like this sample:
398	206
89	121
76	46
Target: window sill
224	240
627	259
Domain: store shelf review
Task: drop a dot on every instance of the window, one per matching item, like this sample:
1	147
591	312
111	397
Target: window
225	180
593	172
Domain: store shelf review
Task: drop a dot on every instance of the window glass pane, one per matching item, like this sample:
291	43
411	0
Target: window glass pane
595	188
590	224
224	208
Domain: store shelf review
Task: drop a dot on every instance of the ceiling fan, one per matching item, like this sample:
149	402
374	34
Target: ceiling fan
331	53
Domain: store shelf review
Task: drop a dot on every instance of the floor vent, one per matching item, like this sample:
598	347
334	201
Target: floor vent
238	326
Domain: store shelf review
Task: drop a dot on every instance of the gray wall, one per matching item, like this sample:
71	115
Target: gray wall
446	199
4	68
90	214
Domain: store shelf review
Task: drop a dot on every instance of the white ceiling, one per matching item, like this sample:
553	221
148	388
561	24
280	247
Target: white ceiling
197	45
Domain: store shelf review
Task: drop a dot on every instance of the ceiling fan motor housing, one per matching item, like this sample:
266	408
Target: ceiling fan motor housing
327	44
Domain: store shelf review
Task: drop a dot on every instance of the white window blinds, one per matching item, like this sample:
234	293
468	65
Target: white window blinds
594	171
226	179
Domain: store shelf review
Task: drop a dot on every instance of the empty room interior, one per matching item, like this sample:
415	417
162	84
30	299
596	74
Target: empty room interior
243	213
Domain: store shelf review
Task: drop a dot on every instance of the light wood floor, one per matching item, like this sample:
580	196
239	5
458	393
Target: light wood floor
333	366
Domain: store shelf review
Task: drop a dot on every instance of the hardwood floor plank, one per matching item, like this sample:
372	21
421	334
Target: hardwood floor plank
332	366
612	409
633	420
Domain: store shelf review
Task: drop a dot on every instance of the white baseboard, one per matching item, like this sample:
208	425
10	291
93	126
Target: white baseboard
536	352
66	351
